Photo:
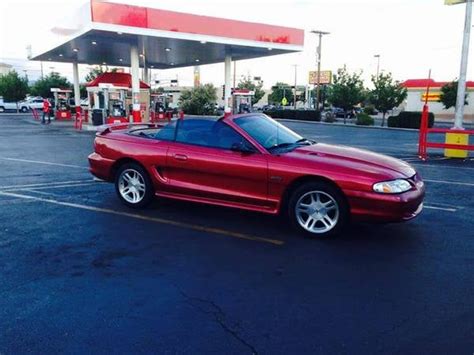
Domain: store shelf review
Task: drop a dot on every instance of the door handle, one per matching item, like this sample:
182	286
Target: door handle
181	157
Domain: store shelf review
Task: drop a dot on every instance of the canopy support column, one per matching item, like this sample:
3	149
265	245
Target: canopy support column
77	92
227	89
134	70
146	75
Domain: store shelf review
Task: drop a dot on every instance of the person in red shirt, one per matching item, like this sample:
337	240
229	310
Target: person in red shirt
46	108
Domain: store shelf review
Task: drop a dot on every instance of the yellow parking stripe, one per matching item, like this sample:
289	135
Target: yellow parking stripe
150	219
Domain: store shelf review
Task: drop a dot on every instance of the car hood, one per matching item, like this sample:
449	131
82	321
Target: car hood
358	159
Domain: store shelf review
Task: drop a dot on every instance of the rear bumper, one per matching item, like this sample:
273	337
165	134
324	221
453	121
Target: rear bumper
100	167
375	207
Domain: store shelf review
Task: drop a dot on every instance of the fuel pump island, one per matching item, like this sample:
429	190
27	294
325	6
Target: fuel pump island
110	99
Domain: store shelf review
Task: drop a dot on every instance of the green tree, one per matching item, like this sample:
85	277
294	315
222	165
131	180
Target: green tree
13	88
200	100
346	91
449	93
82	90
43	86
279	91
98	70
256	87
387	94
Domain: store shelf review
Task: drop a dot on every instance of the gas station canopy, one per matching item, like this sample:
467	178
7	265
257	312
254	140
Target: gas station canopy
104	32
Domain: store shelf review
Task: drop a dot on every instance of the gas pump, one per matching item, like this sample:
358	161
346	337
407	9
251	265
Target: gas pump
108	104
62	109
160	106
115	106
242	99
110	99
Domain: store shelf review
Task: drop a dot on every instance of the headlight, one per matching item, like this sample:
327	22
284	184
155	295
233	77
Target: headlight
392	187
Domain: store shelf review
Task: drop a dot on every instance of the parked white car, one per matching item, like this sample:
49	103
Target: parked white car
12	106
34	103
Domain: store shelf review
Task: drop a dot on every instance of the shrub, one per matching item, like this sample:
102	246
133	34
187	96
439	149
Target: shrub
409	119
199	100
370	110
305	115
330	117
364	119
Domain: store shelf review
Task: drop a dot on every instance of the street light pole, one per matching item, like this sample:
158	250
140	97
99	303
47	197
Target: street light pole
378	65
458	116
318	77
294	96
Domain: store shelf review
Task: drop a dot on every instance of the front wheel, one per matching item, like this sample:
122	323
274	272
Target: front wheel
133	186
318	209
24	109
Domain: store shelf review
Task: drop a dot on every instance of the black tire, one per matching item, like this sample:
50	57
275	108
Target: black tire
148	194
2	109
24	109
326	192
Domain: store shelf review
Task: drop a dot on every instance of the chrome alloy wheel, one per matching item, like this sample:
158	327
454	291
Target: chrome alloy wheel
317	212
132	186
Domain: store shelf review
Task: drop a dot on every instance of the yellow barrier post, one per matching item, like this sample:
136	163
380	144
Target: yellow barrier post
459	139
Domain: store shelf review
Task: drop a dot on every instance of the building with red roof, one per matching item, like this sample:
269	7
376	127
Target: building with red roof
416	89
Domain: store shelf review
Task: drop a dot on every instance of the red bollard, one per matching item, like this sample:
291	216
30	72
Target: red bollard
181	114
423	133
35	114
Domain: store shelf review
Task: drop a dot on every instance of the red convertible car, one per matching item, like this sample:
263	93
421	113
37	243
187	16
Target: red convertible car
252	162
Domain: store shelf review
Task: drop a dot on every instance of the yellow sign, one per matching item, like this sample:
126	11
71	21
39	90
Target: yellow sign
432	97
457	139
453	2
284	101
325	77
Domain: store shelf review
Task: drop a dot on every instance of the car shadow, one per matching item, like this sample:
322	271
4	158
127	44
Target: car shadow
276	226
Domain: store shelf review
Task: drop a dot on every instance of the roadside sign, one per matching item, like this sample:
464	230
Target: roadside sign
454	2
431	97
284	101
325	77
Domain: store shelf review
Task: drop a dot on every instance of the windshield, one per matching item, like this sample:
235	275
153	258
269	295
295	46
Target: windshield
268	132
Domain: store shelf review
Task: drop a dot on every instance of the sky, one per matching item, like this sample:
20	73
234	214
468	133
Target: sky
411	36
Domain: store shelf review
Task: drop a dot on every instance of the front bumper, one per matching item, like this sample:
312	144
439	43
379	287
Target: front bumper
376	207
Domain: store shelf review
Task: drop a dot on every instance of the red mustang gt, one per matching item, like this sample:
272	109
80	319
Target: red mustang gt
253	162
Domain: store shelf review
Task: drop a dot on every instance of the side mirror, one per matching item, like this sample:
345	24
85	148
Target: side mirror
243	147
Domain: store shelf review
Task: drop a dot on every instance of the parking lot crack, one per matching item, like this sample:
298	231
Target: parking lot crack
211	308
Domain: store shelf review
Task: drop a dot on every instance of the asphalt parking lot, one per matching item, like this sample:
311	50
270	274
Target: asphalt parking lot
80	273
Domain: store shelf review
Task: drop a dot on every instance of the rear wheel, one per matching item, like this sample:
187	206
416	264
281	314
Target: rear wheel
318	210
133	185
24	109
2	109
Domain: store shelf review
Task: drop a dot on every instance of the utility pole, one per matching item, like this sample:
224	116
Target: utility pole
378	65
318	79
294	95
458	116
